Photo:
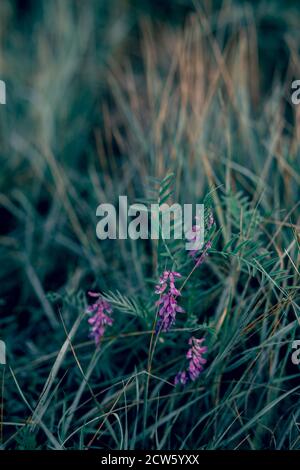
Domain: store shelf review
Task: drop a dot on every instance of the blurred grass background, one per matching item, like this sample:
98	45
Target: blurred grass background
100	96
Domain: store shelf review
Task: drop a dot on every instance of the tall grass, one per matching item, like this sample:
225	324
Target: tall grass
87	121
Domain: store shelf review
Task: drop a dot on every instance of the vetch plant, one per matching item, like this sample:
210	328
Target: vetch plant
167	303
100	319
196	362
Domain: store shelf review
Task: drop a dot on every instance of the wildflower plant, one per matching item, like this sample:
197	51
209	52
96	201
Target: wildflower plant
167	303
100	317
196	362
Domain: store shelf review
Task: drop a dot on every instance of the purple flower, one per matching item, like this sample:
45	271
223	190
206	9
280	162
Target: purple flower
168	306
181	378
196	362
195	356
167	312
100	311
167	277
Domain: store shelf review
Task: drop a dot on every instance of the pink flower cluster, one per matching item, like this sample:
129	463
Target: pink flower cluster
196	362
167	301
100	311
